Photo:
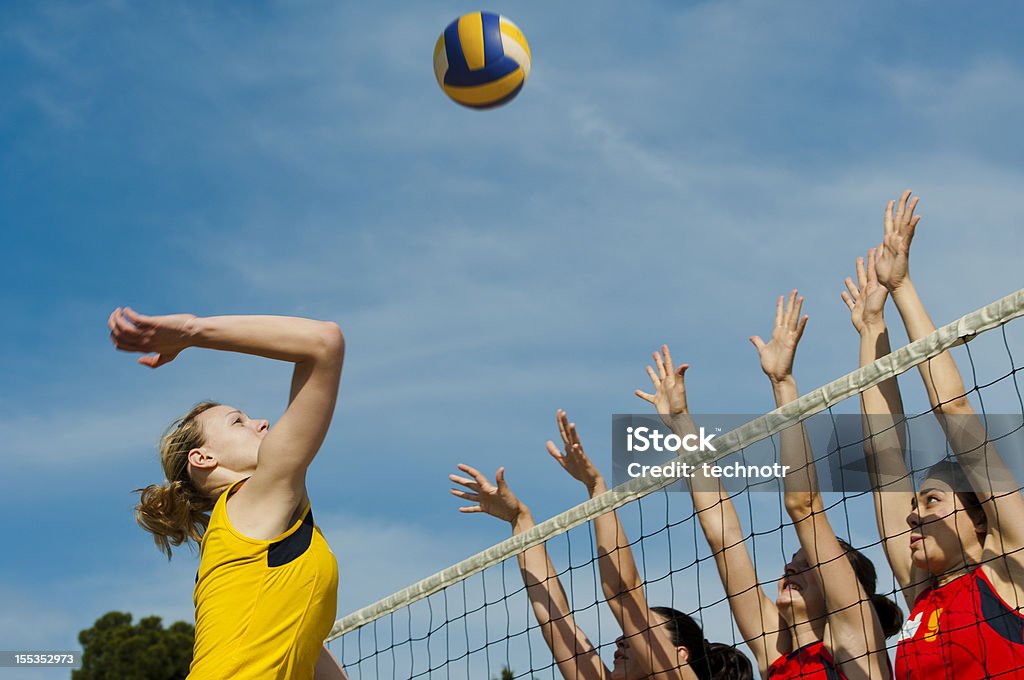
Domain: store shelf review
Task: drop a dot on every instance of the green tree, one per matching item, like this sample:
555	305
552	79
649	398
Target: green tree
506	674
114	649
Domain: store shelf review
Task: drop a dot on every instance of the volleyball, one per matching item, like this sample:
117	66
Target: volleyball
481	60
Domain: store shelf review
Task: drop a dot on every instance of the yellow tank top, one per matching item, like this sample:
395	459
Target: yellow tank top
263	608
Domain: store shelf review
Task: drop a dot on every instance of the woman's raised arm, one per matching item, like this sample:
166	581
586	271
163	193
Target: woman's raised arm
573	652
884	429
755	613
856	636
317	349
620	581
988	474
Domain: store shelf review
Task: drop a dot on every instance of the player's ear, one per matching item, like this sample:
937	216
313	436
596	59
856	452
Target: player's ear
201	459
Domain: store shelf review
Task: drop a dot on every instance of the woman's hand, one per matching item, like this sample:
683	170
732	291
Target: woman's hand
160	338
893	263
574	460
778	354
669	396
866	299
496	500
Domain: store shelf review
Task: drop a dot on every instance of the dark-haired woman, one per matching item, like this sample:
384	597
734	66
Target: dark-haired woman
826	622
956	543
266	591
657	643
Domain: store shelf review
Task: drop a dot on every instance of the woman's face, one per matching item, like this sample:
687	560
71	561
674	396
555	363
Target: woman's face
232	439
801	595
942	533
623	667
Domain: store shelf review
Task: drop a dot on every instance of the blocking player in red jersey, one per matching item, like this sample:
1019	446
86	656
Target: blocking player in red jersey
827	622
955	543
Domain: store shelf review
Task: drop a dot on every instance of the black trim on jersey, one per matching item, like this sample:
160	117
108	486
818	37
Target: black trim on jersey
289	548
1003	620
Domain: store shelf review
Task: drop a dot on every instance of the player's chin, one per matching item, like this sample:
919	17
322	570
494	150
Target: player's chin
920	556
788	598
928	561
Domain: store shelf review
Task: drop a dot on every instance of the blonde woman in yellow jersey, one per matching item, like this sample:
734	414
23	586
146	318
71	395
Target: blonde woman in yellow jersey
266	591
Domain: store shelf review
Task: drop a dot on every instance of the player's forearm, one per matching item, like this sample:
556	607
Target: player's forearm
941	377
882	414
547	597
882	399
801	494
283	338
784	391
539	574
615	557
911	308
715	511
800	483
615	562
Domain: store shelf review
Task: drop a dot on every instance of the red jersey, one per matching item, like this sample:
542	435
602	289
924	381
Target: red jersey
963	631
810	662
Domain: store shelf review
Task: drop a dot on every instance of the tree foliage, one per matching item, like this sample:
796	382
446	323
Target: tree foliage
114	649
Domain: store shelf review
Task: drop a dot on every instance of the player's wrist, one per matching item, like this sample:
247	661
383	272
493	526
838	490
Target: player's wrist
192	331
782	382
873	329
522	519
901	288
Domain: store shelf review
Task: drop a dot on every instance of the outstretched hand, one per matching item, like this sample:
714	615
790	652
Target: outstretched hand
866	298
778	354
669	396
574	460
494	499
893	264
160	338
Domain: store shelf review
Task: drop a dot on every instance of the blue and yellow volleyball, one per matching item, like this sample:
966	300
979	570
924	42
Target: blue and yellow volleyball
482	60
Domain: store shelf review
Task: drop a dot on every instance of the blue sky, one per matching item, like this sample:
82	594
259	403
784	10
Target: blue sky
667	170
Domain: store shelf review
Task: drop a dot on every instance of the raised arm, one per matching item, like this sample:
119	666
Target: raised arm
573	653
856	635
942	380
988	474
316	348
802	497
755	613
884	429
620	581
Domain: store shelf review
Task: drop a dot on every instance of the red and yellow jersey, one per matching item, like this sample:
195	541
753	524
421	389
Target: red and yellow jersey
263	608
810	662
962	630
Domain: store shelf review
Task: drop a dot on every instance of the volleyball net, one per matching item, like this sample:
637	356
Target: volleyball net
474	619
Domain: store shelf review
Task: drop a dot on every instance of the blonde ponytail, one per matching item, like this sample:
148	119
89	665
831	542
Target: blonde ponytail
176	511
